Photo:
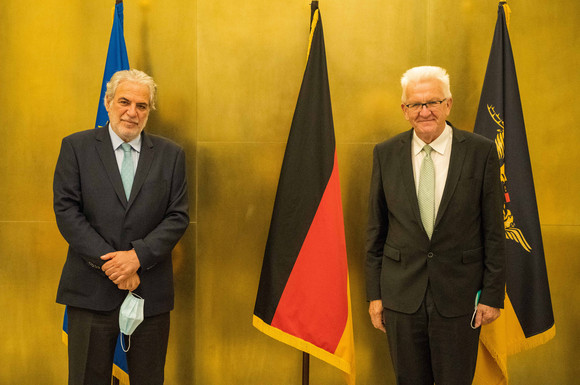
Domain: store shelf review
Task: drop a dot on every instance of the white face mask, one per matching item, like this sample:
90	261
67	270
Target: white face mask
130	316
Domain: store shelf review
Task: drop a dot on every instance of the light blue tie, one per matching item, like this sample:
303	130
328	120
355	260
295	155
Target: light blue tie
426	195
127	169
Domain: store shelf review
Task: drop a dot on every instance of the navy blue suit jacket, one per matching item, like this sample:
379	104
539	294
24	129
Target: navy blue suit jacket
95	218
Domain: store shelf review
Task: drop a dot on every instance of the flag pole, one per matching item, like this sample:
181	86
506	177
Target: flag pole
305	368
306	356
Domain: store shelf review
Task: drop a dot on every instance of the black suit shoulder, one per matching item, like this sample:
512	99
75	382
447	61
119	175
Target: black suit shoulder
82	143
472	137
163	142
395	140
80	136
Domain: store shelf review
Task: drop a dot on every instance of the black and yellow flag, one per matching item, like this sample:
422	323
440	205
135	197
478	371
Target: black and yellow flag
527	320
303	297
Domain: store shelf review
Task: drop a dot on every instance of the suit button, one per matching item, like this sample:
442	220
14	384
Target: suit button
430	255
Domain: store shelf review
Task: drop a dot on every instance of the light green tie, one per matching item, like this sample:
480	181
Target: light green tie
127	169
426	194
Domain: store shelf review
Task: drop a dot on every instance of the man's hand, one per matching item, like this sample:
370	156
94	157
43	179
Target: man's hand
131	283
376	312
120	265
485	315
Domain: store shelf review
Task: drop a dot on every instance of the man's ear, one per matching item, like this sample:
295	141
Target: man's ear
404	111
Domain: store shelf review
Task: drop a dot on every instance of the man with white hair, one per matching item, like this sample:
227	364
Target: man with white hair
120	200
435	263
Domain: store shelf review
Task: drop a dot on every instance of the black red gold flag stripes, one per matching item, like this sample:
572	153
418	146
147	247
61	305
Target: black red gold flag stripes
527	320
303	296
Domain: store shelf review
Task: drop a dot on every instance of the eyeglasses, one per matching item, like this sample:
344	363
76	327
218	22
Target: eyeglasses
430	105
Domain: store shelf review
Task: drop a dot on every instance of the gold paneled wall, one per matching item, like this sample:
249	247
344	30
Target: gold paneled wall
229	75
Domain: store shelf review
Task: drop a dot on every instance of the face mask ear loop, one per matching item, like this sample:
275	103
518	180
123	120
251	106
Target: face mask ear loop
129	346
135	295
472	323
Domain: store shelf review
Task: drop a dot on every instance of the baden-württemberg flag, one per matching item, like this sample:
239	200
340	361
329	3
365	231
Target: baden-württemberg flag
527	320
303	297
117	60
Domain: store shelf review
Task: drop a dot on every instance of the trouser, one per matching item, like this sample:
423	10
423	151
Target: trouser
428	348
92	336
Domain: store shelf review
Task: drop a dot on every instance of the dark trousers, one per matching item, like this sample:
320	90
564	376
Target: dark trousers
428	348
92	337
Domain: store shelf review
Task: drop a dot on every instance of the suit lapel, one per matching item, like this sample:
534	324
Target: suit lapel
458	150
145	160
107	155
405	159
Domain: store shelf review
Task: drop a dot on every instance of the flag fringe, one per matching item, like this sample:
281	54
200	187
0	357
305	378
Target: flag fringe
531	342
302	345
499	357
121	375
488	372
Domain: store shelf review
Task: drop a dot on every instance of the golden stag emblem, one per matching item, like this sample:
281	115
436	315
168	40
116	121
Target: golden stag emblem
511	231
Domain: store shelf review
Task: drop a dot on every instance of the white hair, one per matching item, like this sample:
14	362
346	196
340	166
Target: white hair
131	75
425	73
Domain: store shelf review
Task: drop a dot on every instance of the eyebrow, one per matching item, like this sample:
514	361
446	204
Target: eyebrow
124	99
428	101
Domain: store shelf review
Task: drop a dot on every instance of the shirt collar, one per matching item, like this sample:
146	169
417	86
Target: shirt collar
117	142
439	144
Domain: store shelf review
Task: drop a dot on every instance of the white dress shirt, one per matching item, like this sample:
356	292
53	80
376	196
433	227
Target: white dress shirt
441	155
119	154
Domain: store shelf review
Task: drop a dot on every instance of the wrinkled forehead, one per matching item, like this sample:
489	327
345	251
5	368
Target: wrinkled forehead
425	88
133	91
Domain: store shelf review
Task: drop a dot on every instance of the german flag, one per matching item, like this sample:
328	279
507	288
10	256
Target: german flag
527	320
303	296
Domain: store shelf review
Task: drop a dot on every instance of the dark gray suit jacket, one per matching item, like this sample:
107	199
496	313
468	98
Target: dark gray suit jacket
467	249
95	218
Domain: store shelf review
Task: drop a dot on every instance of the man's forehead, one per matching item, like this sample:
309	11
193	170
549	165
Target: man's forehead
431	86
132	91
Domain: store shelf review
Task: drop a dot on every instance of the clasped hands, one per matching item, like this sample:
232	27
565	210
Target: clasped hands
121	268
